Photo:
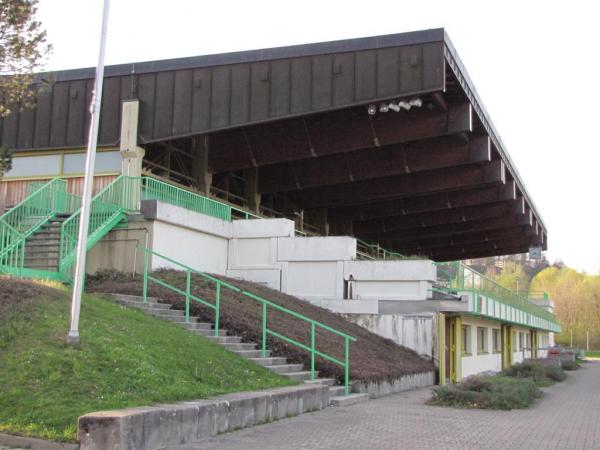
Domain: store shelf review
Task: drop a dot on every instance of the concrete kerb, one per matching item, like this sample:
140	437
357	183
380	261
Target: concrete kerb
156	427
378	389
11	441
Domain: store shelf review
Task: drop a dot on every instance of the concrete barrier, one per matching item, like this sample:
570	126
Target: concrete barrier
153	428
377	389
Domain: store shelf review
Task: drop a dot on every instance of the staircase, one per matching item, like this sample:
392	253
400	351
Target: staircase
42	248
248	350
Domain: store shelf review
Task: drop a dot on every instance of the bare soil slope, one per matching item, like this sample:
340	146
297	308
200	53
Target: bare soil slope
372	358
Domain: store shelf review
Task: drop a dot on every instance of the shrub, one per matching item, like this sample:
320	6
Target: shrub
555	373
488	392
569	365
538	372
527	369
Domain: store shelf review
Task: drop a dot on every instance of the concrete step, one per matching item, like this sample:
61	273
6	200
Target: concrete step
336	391
149	305
266	362
240	346
40	244
251	353
286	368
40	258
300	376
347	400
191	325
42	249
225	339
163	312
325	381
207	332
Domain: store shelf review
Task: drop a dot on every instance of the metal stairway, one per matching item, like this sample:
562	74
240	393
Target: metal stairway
42	248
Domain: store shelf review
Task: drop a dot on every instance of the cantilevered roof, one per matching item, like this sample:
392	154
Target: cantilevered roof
433	180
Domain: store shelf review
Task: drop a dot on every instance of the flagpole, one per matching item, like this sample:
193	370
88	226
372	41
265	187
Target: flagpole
90	163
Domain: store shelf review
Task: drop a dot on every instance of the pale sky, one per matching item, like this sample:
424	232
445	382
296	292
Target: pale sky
535	64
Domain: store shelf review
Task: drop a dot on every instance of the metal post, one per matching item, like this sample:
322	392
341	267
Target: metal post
312	350
347	368
188	285
264	331
73	337
145	275
217	307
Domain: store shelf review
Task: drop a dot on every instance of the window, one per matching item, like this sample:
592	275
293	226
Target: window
466	340
513	341
497	340
521	341
482	344
528	341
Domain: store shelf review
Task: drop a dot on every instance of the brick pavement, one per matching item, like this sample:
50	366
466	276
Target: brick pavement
568	417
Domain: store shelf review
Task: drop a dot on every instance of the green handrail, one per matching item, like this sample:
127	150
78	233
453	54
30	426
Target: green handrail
44	202
265	305
107	208
153	189
457	276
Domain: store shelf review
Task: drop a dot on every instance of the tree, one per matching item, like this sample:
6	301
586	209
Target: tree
513	277
23	49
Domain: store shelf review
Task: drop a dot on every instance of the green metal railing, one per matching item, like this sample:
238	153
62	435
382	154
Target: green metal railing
458	277
266	304
538	295
44	202
107	209
153	189
375	251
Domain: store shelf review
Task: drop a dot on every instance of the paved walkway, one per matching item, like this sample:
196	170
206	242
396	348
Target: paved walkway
568	417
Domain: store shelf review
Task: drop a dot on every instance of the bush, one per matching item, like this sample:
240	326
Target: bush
555	373
569	365
527	369
488	392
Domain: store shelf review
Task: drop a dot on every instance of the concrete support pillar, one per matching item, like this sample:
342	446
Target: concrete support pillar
131	154
457	350
200	170
441	348
321	221
251	189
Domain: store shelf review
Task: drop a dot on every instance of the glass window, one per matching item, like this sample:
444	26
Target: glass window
513	341
482	340
466	340
521	341
35	166
106	162
497	340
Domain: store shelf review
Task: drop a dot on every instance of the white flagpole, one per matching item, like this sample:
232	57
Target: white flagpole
90	163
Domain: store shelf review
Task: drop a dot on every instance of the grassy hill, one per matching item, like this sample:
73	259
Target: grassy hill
125	359
372	357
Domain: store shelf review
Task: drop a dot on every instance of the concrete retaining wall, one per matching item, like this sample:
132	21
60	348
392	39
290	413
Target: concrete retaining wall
406	383
153	428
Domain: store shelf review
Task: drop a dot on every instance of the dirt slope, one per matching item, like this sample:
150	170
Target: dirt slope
372	357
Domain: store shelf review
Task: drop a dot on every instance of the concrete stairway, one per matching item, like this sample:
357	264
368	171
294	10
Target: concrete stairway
42	249
248	350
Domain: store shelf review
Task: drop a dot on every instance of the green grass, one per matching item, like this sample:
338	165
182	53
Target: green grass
593	354
125	359
488	392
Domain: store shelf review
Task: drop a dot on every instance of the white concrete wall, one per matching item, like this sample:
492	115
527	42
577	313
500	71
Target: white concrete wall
196	240
391	280
331	248
306	279
413	331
